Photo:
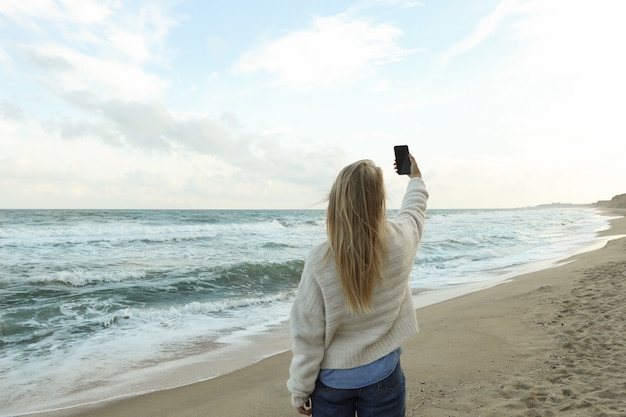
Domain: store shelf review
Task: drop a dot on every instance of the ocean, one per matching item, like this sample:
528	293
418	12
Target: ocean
103	303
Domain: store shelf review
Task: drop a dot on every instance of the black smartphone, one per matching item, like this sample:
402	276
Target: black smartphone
403	163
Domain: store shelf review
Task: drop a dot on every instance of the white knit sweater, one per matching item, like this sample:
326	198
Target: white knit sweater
325	336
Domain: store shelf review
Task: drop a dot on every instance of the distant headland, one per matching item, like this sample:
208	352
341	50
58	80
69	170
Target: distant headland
619	202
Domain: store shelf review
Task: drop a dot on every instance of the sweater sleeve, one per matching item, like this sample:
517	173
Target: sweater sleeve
412	214
307	325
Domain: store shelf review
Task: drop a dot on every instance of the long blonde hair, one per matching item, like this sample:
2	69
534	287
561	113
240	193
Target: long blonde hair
355	224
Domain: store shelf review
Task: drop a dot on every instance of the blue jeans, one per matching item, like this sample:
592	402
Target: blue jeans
386	398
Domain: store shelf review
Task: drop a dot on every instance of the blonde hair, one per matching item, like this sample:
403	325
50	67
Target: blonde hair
355	224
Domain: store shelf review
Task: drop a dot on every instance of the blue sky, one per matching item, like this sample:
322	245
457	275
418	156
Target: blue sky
258	104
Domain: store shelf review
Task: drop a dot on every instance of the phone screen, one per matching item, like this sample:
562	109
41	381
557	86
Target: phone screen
403	163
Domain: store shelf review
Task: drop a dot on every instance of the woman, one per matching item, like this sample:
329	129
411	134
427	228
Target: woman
354	307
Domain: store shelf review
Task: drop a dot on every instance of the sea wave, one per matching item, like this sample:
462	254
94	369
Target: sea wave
175	312
102	291
84	277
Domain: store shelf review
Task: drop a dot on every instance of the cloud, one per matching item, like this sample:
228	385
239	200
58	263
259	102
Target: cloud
362	5
567	80
147	125
65	70
379	87
97	46
333	51
130	44
485	27
197	162
87	12
10	111
150	126
105	125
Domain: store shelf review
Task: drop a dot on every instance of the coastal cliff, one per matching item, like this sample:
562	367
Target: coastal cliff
619	201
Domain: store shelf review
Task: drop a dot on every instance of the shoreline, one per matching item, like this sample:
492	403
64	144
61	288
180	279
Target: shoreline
264	380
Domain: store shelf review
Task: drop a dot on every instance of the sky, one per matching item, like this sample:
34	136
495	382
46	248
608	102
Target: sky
257	104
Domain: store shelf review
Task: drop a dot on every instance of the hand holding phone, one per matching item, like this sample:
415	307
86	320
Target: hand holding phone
403	162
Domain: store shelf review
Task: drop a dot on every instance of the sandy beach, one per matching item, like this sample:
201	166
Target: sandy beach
546	343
